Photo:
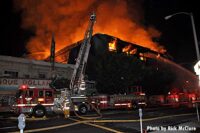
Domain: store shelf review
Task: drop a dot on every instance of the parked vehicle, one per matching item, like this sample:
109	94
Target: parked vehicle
34	101
129	101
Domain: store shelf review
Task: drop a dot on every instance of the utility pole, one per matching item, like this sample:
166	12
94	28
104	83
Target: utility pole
52	54
195	42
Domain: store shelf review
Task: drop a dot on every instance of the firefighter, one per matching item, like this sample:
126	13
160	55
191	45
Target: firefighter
66	105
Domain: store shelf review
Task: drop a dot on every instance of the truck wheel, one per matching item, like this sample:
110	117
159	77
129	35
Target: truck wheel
82	109
39	111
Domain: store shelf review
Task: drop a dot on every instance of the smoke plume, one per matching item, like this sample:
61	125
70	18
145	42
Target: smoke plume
68	20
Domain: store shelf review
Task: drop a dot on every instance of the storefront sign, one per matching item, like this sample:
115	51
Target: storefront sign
7	82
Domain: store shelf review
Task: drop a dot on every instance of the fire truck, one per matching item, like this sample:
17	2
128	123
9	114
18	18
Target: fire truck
125	101
34	101
182	99
175	99
39	101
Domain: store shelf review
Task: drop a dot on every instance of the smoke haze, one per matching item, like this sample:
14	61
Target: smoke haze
68	19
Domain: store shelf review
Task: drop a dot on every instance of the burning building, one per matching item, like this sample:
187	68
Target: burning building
103	44
68	20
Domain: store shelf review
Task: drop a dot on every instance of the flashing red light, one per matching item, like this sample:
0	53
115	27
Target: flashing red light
192	96
23	87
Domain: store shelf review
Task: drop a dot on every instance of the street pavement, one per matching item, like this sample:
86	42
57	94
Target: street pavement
117	121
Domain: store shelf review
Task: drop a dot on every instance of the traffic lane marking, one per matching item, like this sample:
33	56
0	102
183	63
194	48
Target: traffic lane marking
68	125
51	128
8	127
98	126
27	118
100	121
137	120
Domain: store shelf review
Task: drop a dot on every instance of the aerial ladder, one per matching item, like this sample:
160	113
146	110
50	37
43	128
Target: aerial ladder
77	83
75	96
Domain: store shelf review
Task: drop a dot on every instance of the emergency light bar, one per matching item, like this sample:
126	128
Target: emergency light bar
23	87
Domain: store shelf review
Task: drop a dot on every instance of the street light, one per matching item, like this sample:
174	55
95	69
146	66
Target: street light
193	28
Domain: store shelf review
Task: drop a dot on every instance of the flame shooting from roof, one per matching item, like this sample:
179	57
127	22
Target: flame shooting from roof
129	49
68	19
112	45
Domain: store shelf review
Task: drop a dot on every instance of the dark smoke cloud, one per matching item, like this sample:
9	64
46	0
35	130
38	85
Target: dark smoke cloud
68	19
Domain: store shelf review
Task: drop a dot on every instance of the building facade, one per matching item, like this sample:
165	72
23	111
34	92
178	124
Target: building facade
15	71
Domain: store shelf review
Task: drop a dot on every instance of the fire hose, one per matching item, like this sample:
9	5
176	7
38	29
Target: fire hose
66	102
88	118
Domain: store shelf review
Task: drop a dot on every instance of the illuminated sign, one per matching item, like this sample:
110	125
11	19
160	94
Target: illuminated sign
197	68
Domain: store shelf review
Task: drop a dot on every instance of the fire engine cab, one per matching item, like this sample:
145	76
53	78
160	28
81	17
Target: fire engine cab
34	101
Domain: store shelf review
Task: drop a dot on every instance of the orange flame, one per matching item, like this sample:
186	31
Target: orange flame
68	19
112	45
129	49
126	49
133	51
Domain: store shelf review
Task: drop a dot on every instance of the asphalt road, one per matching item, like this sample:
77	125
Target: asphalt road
126	121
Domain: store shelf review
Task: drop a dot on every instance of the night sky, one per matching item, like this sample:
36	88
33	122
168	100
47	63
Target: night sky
13	37
176	32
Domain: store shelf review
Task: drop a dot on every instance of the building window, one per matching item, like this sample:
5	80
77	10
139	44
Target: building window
48	93
40	93
11	74
42	76
29	93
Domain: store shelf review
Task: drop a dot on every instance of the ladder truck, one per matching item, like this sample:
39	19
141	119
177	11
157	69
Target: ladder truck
37	101
75	97
77	84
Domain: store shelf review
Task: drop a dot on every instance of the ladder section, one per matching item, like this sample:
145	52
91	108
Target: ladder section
77	84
